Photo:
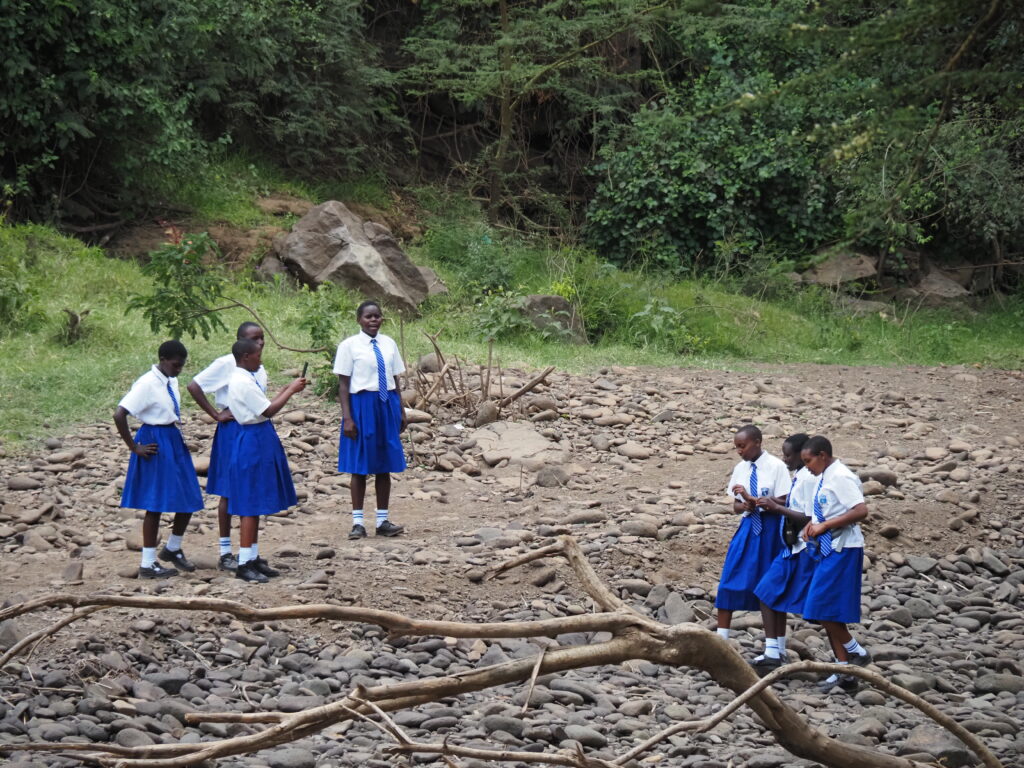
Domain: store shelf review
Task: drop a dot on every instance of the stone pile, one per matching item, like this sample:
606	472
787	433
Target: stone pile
631	462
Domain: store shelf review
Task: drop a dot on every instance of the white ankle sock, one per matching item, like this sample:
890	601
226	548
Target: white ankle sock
723	632
255	549
854	647
782	646
382	516
245	555
357	517
771	648
174	543
225	545
148	557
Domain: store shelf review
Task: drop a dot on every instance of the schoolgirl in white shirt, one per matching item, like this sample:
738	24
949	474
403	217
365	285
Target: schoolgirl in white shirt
756	541
836	543
214	379
161	476
783	588
259	480
372	416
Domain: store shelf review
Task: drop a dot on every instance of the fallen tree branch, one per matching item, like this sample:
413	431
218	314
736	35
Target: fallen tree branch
634	636
506	401
53	629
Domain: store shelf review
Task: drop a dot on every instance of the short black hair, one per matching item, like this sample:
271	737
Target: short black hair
172	350
751	431
244	347
364	305
245	327
797	441
818	444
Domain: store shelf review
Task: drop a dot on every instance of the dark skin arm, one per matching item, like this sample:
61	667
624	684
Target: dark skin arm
746	504
284	396
855	515
139	449
774	504
401	405
348	424
200	397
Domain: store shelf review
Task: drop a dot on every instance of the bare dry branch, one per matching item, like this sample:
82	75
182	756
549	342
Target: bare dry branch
634	637
506	401
18	647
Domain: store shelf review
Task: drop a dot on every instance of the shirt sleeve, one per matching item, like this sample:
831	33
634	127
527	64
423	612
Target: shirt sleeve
138	398
247	399
397	366
781	482
734	480
846	487
215	376
343	359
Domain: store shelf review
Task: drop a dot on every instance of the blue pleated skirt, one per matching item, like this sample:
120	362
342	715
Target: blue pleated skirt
259	479
784	586
220	457
748	559
834	591
165	482
377	449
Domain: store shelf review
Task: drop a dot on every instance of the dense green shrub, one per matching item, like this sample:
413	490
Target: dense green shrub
685	176
95	90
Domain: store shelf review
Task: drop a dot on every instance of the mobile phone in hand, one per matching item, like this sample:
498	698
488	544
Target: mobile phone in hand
305	367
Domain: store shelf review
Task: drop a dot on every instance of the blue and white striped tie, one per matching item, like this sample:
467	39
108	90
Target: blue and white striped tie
755	517
174	400
382	373
825	540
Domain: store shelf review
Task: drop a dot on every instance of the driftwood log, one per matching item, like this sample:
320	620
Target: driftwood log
634	636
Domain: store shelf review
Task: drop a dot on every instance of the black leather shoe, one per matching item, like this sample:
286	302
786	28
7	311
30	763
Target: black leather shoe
764	665
387	528
228	562
859	659
247	572
847	683
357	532
157	571
177	559
263	567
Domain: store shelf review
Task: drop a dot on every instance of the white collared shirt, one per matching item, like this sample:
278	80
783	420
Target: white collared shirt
772	477
148	399
800	497
357	360
214	378
840	492
245	398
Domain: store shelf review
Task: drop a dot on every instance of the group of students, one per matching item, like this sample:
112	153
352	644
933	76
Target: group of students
798	548
248	468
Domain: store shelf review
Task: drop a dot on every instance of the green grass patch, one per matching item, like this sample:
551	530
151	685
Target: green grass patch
224	188
48	386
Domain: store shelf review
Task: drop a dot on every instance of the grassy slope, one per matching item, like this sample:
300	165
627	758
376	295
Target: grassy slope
47	387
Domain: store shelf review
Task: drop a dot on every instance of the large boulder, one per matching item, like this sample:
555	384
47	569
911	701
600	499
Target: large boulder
842	267
332	243
556	315
937	288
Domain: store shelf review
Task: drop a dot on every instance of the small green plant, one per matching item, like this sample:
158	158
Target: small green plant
326	306
185	290
16	290
500	315
660	325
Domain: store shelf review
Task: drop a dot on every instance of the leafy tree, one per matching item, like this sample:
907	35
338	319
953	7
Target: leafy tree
870	123
514	91
95	90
